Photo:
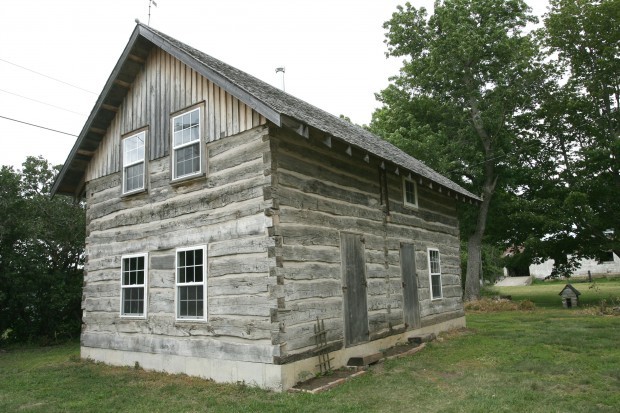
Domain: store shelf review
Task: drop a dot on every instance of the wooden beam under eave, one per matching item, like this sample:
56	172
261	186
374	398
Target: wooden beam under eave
97	131
109	108
86	153
121	83
137	59
327	141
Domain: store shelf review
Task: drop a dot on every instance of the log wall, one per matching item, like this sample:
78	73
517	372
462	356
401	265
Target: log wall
164	86
224	211
321	190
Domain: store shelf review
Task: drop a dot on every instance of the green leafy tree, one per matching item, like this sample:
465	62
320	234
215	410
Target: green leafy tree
568	187
582	127
463	98
41	256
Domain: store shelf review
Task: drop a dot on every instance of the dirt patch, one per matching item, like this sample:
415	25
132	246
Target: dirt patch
402	350
325	382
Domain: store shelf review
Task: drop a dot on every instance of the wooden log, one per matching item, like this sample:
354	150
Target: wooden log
202	347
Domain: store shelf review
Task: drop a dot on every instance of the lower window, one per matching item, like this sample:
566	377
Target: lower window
190	283
434	269
133	285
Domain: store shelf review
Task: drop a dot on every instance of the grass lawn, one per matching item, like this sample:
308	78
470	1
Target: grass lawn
546	360
546	294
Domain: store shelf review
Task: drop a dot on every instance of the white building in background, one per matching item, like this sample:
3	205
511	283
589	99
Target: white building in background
611	265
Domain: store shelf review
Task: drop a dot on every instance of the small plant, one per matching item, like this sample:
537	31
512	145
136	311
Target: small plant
137	366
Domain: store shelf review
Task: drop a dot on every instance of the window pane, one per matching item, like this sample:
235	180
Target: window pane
190	258
189	275
191	297
187	160
133	301
133	149
178	124
195	135
436	279
194	117
134	177
178	137
410	192
200	308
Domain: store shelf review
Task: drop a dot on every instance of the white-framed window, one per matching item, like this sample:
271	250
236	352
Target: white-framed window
186	144
434	273
410	192
133	162
191	286
134	276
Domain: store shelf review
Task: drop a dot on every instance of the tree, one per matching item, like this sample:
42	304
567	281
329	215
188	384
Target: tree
41	256
582	123
462	100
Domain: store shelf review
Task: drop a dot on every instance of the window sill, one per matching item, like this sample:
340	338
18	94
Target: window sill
189	179
186	321
134	193
413	207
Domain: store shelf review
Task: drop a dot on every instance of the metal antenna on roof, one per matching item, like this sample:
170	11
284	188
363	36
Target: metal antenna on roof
154	4
283	70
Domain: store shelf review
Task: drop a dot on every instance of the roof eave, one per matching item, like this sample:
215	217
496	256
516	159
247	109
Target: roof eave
93	115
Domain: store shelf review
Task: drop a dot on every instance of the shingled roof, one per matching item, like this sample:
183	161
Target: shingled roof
276	105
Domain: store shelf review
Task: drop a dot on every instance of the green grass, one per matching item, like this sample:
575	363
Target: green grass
547	360
546	294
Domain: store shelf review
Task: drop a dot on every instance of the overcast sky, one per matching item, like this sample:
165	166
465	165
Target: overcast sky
332	50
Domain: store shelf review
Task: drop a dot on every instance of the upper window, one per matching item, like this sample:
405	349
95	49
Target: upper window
133	162
410	193
133	285
434	269
190	281
186	151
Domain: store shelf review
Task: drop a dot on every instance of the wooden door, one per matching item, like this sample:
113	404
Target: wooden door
354	288
411	304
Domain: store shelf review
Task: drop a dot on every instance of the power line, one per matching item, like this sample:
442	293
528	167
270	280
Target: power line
41	102
37	126
49	77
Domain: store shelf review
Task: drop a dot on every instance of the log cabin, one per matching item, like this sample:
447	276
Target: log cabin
226	219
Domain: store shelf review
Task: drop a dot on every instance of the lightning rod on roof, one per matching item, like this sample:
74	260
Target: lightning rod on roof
154	4
283	70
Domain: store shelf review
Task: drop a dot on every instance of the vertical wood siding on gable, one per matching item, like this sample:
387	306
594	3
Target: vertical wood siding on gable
165	85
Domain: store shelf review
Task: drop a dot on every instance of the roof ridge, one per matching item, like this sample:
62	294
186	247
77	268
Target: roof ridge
268	100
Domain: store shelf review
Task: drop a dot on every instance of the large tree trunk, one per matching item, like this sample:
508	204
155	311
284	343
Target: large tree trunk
474	244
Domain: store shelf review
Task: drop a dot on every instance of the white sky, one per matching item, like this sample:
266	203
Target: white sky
333	52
